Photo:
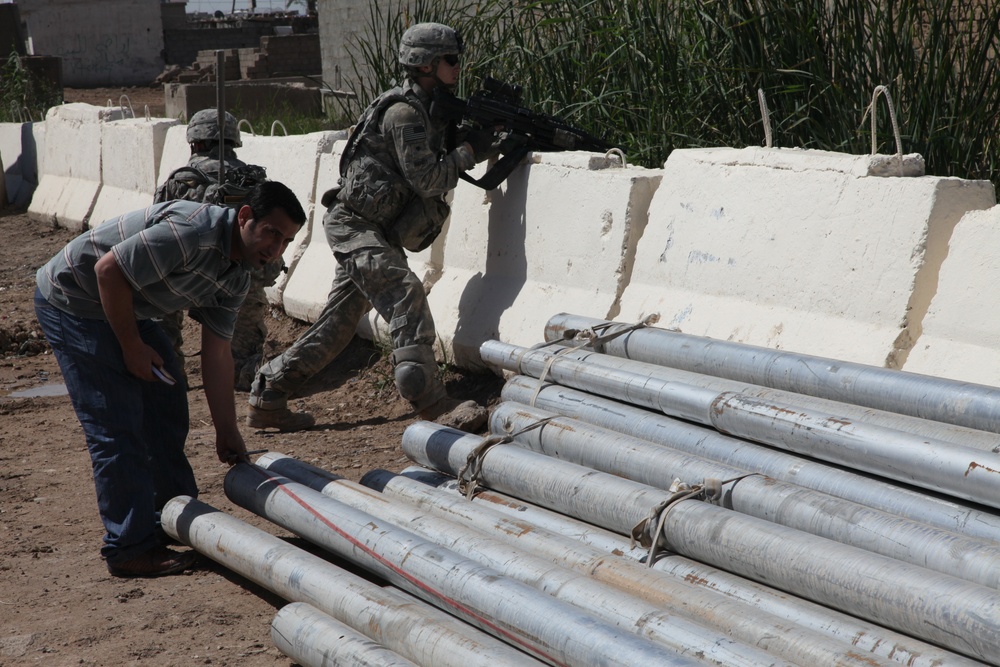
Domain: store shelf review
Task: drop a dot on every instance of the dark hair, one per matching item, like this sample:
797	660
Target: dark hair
269	195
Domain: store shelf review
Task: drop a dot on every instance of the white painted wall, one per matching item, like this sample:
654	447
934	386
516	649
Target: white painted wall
107	43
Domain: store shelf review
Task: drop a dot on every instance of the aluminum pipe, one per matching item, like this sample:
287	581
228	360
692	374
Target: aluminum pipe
412	628
314	639
953	469
783	624
963	403
595	497
960	472
960	435
662	624
945	610
657	428
546	628
759	496
603	540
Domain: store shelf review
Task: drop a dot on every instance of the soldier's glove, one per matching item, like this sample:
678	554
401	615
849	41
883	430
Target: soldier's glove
482	143
509	142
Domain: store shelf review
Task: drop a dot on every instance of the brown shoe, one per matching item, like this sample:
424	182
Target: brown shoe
281	419
157	562
466	416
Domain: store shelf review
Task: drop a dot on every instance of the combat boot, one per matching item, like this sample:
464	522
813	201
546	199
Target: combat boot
281	419
466	416
269	409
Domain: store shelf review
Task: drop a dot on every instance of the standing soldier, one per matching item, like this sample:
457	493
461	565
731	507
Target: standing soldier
199	181
395	173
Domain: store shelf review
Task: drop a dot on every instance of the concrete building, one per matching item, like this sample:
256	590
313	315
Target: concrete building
340	22
121	43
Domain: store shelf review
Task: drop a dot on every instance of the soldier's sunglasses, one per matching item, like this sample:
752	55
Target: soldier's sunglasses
451	59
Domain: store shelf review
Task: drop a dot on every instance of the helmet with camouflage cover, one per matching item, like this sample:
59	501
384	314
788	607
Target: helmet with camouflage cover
204	126
424	42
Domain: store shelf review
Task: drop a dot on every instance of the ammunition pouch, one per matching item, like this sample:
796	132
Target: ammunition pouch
419	223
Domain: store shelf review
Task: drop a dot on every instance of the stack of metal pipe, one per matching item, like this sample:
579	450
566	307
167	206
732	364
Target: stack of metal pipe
647	497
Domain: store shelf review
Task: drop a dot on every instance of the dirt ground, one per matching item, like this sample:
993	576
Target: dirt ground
58	605
136	97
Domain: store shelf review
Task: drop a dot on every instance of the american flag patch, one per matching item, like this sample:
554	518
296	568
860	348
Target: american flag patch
414	133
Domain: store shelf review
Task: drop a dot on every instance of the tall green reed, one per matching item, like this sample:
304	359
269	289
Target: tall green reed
654	75
24	96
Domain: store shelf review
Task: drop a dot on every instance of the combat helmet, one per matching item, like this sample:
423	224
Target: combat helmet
423	42
204	126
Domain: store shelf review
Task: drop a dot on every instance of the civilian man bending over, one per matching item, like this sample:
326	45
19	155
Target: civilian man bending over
96	302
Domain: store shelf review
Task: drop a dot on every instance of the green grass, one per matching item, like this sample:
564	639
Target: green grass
23	97
262	121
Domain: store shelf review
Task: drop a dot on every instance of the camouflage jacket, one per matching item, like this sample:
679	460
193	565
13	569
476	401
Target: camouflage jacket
395	173
198	180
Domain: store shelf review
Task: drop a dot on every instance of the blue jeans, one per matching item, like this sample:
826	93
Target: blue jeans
135	430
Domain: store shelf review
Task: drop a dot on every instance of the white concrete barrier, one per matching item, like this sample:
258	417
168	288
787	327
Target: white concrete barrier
796	249
294	161
961	332
70	175
803	250
309	278
131	150
20	145
176	152
559	234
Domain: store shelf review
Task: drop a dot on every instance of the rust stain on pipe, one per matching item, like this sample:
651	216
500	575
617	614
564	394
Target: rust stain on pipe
973	465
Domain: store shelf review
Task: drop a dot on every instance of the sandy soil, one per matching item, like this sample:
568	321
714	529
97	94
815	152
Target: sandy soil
58	605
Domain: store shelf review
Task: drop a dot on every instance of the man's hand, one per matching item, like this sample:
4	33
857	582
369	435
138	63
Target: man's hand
116	299
230	448
217	376
140	359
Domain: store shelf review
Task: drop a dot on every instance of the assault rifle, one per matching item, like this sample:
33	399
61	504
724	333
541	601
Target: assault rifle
498	104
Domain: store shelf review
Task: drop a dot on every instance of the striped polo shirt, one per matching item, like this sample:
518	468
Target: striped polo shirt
175	255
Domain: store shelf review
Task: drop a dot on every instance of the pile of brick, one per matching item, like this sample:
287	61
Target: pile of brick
278	55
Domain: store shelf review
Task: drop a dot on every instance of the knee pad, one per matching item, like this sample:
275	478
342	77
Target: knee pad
416	375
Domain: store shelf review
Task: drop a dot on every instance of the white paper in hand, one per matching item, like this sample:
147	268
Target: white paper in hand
163	375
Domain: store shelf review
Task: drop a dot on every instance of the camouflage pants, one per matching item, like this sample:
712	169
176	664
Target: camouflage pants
250	332
366	277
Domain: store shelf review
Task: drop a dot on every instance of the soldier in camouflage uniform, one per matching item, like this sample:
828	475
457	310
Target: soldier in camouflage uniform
199	181
395	174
